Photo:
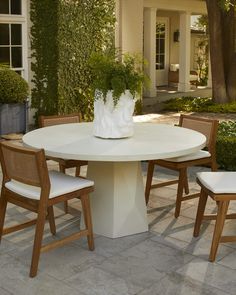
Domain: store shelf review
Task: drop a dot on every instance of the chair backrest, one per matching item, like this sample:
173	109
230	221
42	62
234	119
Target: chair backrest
24	165
45	121
208	127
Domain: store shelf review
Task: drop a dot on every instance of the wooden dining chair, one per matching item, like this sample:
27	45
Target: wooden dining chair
208	127
221	187
45	121
28	183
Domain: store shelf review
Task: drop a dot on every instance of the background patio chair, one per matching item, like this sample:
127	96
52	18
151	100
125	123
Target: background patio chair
28	184
209	128
45	121
221	187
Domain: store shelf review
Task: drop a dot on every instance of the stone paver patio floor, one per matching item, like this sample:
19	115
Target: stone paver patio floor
164	260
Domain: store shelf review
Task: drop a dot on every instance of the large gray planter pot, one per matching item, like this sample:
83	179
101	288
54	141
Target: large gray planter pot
13	118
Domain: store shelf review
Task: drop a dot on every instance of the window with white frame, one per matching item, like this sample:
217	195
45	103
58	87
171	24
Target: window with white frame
13	35
160	45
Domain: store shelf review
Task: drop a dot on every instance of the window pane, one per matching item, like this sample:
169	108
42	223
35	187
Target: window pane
162	46
157	45
162	61
157	62
16	57
4	6
5	55
4	34
16	34
15	6
160	29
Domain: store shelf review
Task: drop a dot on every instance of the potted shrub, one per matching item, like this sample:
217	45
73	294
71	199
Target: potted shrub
116	83
13	102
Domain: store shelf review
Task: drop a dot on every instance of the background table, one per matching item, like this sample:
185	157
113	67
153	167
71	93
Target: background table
118	203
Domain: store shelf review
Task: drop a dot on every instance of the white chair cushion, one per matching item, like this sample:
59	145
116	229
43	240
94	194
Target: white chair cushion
60	184
218	182
195	156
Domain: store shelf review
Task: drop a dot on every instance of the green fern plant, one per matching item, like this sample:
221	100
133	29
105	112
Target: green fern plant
117	73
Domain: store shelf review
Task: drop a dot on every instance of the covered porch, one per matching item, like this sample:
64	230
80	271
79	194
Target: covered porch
161	31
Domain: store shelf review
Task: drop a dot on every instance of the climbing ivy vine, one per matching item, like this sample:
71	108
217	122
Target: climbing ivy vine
64	33
44	47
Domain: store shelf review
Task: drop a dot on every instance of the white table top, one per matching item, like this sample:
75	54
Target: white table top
150	141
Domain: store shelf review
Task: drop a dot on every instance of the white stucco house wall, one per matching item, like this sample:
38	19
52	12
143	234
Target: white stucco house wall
136	31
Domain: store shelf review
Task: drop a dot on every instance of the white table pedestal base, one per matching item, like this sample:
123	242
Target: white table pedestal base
118	203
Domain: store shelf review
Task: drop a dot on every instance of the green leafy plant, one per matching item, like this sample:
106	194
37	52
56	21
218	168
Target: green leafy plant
226	145
13	88
226	136
63	35
117	73
199	104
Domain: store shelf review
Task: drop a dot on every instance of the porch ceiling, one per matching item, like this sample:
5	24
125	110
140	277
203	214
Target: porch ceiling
192	6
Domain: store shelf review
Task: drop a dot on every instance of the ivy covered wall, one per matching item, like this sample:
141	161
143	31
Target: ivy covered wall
44	16
64	33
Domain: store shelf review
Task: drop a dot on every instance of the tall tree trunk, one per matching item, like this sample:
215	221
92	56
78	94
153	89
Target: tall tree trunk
227	21
219	93
231	80
228	25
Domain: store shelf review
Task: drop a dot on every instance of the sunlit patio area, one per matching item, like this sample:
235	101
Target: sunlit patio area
165	260
74	70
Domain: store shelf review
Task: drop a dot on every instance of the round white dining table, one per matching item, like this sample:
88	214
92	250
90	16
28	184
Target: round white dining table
118	202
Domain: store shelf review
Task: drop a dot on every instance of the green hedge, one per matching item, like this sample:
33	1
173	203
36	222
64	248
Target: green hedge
198	104
226	145
226	137
13	88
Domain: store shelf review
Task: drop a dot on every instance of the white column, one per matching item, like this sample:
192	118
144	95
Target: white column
131	26
184	52
150	48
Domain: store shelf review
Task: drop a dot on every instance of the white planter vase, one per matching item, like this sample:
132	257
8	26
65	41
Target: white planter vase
113	121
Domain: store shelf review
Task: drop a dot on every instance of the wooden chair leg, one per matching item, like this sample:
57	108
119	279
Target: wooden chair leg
66	206
3	206
88	220
186	186
200	212
220	220
51	220
214	166
37	242
181	183
149	180
63	170
77	171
